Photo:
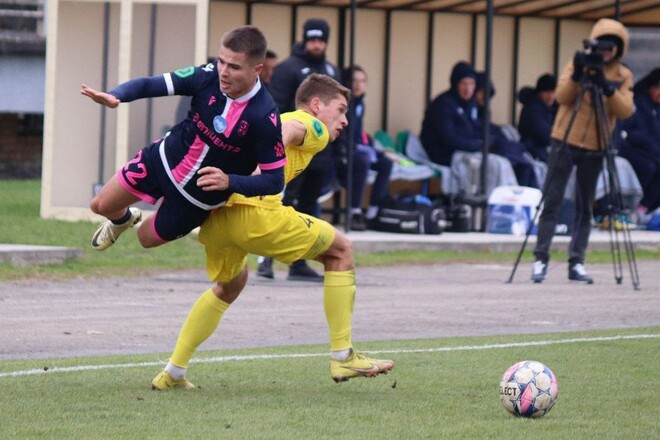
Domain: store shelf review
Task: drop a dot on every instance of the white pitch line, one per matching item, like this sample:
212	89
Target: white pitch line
78	368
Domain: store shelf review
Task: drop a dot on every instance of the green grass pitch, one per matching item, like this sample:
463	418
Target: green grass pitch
440	388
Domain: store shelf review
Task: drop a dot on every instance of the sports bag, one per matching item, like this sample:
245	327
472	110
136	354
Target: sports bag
410	214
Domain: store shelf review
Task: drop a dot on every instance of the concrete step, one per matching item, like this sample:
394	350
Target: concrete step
29	255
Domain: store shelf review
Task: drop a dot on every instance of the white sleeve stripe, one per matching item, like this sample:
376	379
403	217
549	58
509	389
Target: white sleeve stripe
169	83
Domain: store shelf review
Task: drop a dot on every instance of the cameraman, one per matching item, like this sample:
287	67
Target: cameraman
599	65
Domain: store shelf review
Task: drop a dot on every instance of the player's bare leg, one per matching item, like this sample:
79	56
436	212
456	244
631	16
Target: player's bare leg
113	202
147	234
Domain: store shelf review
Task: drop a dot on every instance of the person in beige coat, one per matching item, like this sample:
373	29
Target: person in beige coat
584	147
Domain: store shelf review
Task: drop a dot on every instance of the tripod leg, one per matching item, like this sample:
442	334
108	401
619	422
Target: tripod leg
527	234
550	177
616	199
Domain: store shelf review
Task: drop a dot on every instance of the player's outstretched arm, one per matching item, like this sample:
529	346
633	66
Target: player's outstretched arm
100	97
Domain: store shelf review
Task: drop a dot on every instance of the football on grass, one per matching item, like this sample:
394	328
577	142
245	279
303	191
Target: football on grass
528	389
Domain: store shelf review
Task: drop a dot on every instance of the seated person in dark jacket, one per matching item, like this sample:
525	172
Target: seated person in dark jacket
538	115
451	119
499	144
642	140
365	156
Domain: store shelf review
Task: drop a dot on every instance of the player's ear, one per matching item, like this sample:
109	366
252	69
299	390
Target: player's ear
315	105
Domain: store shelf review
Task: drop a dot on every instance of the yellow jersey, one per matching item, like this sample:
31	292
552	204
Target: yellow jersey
298	157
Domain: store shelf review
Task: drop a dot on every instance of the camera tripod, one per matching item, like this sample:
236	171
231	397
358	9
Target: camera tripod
614	198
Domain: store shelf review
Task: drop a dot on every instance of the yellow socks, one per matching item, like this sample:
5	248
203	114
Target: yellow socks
205	315
200	324
338	300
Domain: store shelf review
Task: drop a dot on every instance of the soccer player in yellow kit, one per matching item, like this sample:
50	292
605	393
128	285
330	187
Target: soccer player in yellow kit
263	226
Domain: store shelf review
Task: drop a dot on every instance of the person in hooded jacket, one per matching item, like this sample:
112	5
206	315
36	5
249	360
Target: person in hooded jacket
537	115
513	151
642	141
584	147
303	192
451	121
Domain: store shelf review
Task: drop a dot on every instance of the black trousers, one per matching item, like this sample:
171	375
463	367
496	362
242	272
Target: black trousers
560	164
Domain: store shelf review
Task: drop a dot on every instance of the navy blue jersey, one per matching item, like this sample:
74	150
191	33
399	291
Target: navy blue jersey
233	135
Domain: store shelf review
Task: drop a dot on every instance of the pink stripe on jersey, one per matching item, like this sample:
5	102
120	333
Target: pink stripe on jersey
233	114
272	166
189	160
153	227
139	194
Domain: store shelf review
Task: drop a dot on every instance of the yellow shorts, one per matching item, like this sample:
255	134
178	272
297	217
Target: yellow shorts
231	233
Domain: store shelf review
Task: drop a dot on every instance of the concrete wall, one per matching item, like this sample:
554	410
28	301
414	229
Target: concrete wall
84	144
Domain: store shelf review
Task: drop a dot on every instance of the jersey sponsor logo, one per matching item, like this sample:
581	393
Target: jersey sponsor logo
209	67
185	72
318	127
219	124
211	100
243	128
212	136
273	118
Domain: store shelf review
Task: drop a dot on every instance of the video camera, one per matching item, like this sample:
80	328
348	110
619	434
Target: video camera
592	56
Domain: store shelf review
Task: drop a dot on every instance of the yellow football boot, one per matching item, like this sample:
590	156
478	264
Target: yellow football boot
164	382
358	365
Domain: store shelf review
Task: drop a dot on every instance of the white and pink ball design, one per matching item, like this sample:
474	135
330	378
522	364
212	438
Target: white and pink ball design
528	389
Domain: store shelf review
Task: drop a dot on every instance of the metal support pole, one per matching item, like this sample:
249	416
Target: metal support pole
484	160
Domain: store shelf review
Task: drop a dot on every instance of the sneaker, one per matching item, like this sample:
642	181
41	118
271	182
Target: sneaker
577	272
358	365
539	271
621	222
358	223
164	382
106	235
265	268
300	271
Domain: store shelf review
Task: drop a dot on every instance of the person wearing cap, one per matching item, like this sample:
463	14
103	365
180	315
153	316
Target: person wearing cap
642	140
307	57
537	115
585	146
451	120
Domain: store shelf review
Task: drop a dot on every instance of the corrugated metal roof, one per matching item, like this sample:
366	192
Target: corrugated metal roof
632	12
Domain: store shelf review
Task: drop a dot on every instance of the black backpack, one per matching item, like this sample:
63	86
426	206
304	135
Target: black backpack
410	214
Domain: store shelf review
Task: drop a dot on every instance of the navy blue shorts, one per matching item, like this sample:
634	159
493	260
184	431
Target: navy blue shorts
146	178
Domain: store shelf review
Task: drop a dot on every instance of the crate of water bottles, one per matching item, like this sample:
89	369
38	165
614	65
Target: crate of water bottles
511	209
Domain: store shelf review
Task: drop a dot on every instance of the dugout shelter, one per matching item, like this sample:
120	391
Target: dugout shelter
407	47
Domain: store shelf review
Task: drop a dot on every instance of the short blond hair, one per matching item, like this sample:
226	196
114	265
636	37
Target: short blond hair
322	87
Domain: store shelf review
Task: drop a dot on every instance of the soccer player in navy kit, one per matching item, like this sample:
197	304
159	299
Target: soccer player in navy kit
232	128
264	226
